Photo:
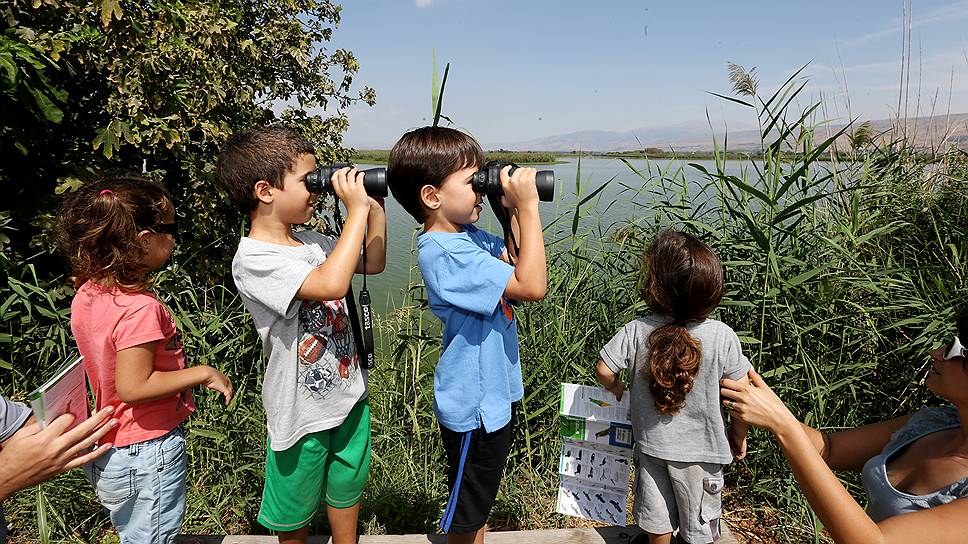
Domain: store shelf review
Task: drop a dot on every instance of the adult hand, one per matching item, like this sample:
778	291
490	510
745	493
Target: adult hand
33	455
755	403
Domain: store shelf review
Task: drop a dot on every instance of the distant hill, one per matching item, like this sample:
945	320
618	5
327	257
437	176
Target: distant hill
921	131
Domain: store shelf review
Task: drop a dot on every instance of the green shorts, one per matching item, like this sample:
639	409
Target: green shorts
334	463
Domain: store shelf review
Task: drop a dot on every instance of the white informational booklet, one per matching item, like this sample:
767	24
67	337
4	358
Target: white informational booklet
65	391
596	454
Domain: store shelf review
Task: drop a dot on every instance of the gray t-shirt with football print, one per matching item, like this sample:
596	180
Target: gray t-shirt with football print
313	376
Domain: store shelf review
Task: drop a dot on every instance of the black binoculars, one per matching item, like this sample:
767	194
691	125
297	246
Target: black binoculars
320	180
488	180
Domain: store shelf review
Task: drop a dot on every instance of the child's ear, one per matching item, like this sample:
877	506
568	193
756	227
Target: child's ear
429	197
142	237
262	191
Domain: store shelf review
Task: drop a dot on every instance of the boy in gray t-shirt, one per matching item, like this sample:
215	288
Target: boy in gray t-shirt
293	284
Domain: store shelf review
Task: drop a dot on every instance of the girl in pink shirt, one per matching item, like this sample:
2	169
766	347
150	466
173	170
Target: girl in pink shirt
115	232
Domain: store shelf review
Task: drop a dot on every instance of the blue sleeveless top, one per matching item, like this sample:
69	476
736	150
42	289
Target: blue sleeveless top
884	500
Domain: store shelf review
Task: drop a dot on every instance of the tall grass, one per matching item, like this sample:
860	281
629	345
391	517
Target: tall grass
839	276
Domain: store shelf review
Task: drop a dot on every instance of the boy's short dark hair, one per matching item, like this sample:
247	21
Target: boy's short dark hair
256	154
426	156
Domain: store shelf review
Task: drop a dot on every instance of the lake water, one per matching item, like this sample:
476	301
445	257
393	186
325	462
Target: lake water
616	203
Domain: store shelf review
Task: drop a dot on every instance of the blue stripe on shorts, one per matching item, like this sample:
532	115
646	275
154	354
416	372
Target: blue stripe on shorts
454	493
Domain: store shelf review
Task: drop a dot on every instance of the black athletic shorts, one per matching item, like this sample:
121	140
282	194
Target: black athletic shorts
475	463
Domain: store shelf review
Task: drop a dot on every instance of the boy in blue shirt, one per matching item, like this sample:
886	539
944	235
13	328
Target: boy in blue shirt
469	284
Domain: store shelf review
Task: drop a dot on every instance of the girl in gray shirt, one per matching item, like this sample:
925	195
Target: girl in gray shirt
676	358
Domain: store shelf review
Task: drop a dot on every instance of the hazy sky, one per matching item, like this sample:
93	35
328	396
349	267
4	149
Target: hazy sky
529	69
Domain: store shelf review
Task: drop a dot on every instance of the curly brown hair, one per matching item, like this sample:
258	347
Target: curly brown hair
98	225
684	282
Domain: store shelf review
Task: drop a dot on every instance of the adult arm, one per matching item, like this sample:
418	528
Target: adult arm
850	449
33	455
842	450
846	521
843	517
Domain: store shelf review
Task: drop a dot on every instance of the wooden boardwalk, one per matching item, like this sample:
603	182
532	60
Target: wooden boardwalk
604	535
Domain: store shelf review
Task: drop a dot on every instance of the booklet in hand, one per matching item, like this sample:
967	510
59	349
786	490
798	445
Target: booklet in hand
65	392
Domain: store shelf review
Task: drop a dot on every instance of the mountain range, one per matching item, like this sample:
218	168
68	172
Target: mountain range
924	132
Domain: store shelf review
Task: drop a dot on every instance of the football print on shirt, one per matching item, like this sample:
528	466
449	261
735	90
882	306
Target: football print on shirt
327	355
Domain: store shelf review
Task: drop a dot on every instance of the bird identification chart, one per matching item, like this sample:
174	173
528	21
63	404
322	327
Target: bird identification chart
596	454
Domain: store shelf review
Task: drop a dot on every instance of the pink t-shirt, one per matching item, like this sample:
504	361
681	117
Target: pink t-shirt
106	320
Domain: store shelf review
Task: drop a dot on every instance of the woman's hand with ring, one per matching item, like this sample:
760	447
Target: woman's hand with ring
755	403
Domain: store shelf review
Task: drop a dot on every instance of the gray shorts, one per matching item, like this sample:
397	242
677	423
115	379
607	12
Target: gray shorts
686	496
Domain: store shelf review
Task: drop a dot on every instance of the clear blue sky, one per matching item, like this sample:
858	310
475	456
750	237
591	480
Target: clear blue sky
529	69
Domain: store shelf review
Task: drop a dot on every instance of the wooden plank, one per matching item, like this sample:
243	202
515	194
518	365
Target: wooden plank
603	535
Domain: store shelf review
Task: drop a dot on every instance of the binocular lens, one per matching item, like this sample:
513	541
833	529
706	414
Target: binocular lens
545	180
488	181
374	180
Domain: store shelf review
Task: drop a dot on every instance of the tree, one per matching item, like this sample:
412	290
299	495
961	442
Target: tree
158	87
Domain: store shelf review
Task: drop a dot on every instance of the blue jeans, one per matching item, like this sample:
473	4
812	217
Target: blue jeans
142	486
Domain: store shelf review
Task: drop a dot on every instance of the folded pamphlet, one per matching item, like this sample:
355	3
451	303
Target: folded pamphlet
65	392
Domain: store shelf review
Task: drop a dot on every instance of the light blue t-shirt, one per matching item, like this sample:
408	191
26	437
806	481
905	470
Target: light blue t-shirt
479	372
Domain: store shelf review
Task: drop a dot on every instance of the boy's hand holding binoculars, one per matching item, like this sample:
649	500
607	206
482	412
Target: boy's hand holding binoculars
519	188
348	186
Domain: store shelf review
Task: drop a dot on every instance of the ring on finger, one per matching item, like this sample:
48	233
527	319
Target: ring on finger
729	405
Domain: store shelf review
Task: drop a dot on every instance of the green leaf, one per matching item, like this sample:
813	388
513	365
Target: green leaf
731	99
47	108
108	138
214	435
67	185
748	189
9	68
440	96
800	278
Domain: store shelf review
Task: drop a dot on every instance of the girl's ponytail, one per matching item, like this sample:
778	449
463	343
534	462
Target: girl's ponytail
684	282
674	360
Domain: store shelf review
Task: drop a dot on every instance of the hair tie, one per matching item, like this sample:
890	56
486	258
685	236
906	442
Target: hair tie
105	192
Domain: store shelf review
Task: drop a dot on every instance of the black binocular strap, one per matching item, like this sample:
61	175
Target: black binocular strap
504	217
363	336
